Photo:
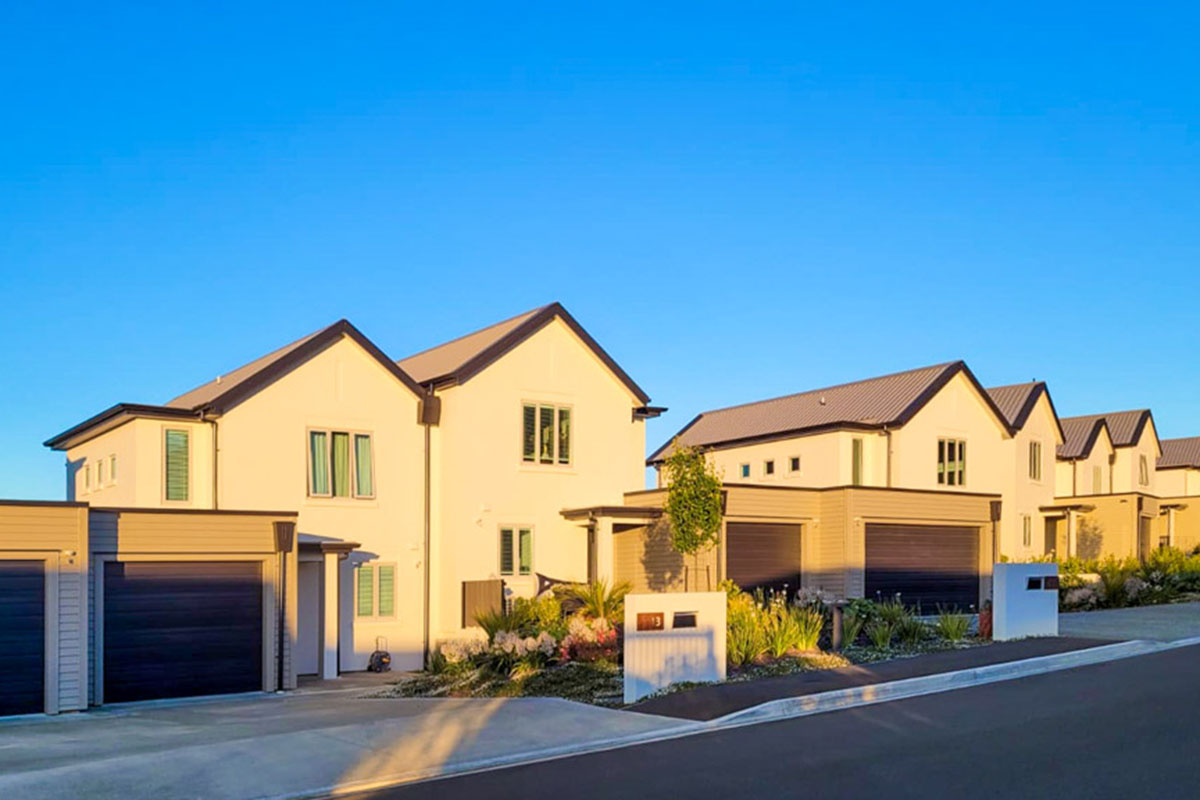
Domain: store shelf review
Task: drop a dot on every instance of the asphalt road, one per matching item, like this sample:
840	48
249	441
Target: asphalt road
1126	729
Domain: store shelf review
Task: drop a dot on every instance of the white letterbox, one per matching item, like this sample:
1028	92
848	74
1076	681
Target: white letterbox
671	638
1025	601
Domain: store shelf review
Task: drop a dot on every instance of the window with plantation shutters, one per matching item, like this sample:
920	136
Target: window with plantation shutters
1035	461
546	433
176	464
856	461
516	551
952	462
375	590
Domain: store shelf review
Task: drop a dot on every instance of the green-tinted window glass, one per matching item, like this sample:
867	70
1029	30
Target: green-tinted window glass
546	433
962	463
112	469
318	456
387	590
177	465
364	478
506	551
365	592
528	433
564	436
856	462
341	464
941	462
526	547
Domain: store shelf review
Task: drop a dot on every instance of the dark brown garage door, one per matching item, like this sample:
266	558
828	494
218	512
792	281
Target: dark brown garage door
763	555
22	637
181	629
926	565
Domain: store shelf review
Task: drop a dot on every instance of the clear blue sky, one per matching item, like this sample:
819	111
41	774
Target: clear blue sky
738	201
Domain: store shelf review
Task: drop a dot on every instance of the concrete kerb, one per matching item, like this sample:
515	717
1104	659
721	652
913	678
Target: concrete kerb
772	711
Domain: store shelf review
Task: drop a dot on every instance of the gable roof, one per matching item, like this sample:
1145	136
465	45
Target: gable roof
225	392
458	360
1179	453
1124	428
884	402
1017	401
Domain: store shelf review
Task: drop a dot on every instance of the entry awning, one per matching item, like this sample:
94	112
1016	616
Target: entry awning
310	543
630	513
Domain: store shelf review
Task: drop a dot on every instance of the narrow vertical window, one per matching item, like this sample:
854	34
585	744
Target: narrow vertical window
387	590
100	479
962	463
365	592
506	551
87	477
341	464
546	434
941	462
1097	481
318	461
856	461
112	468
525	547
1143	471
176	464
1035	460
364	474
1026	530
769	467
564	436
528	432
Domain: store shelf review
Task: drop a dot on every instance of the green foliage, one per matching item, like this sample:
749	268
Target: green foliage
492	623
781	631
745	639
951	625
693	500
911	631
599	601
880	632
537	614
809	622
852	626
893	612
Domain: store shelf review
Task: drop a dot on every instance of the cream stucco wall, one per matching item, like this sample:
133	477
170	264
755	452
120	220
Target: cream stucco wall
1024	496
1075	478
482	484
1126	469
1177	482
825	460
264	466
138	446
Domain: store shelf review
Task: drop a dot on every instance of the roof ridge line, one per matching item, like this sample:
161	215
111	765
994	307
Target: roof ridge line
530	313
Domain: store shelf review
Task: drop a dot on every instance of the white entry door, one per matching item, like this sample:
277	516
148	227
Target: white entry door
308	642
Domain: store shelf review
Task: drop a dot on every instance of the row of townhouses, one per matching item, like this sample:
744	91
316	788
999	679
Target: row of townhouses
325	501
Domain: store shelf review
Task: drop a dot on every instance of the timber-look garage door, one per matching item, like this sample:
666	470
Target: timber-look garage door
928	565
182	628
763	555
22	637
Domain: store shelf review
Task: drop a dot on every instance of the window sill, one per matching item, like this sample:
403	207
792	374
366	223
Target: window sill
548	469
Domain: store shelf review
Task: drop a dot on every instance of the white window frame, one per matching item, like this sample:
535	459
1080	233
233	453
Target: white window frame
556	456
744	469
373	567
515	530
768	467
353	475
191	464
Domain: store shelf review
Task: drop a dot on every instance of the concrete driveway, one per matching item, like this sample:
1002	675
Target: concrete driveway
1164	623
273	746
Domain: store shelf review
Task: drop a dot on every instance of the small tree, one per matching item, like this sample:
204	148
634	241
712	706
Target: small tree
693	502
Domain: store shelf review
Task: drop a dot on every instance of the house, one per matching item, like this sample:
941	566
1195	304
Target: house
1107	501
1177	477
913	482
410	479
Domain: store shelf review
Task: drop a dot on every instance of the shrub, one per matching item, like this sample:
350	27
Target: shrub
951	625
893	612
809	622
880	632
492	623
745	639
537	614
852	626
911	631
590	640
781	632
598	601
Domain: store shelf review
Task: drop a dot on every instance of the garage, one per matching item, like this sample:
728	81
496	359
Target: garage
22	637
180	629
927	565
763	555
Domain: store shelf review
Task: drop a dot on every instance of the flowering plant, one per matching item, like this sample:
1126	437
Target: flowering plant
589	640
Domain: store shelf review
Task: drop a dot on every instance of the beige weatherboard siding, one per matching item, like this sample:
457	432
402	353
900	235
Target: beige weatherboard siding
55	534
482	484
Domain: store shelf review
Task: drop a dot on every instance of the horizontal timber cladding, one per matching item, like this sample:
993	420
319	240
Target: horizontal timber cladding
763	555
926	565
644	557
179	629
22	637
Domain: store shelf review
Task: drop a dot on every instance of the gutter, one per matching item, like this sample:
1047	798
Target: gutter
429	413
212	420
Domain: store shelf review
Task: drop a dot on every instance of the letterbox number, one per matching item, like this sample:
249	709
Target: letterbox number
652	621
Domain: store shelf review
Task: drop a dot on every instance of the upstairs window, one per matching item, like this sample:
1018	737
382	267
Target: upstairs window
112	469
1035	461
87	477
100	476
794	464
952	462
516	551
769	467
1143	471
744	470
546	433
1026	530
1097	480
341	464
176	464
856	462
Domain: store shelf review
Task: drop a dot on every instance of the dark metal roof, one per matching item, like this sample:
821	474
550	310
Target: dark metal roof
458	360
1180	453
1017	401
1080	433
886	401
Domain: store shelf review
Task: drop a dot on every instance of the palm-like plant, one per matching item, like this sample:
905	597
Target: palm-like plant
599	601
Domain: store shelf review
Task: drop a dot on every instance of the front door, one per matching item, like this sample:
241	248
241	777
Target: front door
308	597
